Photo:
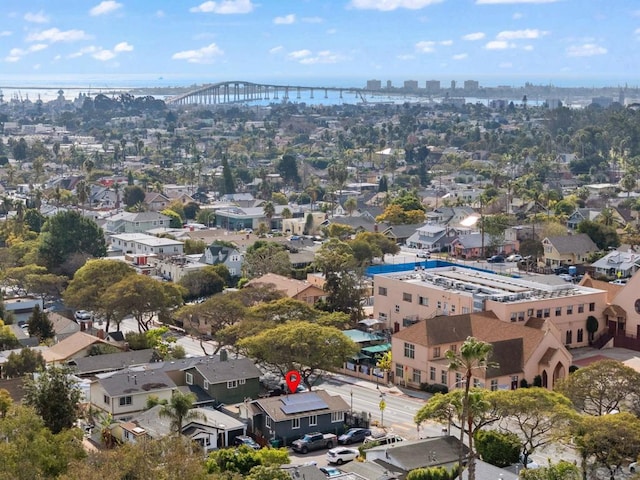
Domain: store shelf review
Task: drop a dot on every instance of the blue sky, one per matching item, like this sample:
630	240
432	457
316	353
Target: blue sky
321	42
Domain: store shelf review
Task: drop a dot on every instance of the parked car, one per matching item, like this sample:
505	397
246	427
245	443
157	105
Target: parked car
353	435
245	440
83	315
567	277
340	455
619	281
560	270
633	466
531	464
496	259
514	257
314	441
384	439
423	254
331	471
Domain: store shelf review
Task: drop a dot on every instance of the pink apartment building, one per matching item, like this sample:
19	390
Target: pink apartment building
521	351
403	299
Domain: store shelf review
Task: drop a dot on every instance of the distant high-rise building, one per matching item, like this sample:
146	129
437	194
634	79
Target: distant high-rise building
554	103
471	85
374	85
453	84
411	85
604	102
389	85
433	86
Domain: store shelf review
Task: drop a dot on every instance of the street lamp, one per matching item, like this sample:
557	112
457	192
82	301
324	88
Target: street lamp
351	395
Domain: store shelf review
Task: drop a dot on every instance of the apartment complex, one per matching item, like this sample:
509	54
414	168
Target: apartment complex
405	298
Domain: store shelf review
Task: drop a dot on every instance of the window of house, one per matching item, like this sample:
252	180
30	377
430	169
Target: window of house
242	381
409	350
125	401
407	297
436	352
465	310
295	423
337	417
521	316
476	383
453	308
494	385
539	313
313	420
232	384
592	307
382	291
432	374
569	336
439	305
267	421
399	370
558	311
205	385
443	377
189	378
424	301
458	379
416	376
530	313
514	316
453	348
397	309
106	399
547	312
581	308
579	335
569	309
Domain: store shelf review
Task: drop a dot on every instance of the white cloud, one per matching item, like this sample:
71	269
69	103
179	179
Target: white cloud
407	56
123	47
299	54
38	17
202	55
426	46
446	43
323	57
160	14
586	50
15	54
37	47
55	35
5	33
332	31
506	2
286	20
498	45
636	32
505	65
389	5
460	56
83	51
528	48
517	16
224	7
277	49
529	34
103	55
105	7
472	37
312	19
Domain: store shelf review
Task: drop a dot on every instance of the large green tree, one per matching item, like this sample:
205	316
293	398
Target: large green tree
67	234
266	257
26	361
40	326
303	346
203	282
179	410
55	396
288	169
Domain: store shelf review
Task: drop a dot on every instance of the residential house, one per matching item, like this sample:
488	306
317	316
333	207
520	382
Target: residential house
290	417
218	254
473	245
125	392
452	216
617	264
143	244
156	202
63	326
175	267
430	237
372	346
212	429
110	362
580	215
135	222
567	249
403	297
520	351
74	346
223	379
243	200
297	289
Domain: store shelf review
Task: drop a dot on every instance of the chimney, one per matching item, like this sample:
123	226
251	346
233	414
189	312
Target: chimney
223	355
375	228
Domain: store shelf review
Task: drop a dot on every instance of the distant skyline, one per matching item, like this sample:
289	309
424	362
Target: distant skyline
316	42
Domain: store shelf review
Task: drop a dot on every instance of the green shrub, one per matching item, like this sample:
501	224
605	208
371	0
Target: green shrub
497	448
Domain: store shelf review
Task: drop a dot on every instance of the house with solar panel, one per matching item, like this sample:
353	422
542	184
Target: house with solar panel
281	420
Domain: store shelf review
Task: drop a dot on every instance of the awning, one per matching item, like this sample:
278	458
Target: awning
360	356
369	322
384	347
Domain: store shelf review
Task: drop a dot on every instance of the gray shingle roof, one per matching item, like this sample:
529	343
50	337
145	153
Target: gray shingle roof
217	371
272	405
578	244
134	382
113	361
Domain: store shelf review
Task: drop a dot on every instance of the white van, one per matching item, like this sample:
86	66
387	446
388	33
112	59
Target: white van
385	439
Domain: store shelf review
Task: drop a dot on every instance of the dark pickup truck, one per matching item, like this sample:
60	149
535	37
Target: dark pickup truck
314	441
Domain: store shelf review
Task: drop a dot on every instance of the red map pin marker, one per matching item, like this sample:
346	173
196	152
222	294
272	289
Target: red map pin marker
293	380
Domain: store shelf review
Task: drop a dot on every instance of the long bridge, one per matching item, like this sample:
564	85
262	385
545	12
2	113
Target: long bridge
244	92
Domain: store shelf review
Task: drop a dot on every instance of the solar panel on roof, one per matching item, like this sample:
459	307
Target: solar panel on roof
299	398
304	407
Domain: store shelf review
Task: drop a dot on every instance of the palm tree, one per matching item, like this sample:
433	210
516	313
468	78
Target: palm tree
178	410
269	212
473	356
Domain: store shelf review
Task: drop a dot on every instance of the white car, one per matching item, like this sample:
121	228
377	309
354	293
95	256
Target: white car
633	466
340	455
83	315
531	464
423	254
514	258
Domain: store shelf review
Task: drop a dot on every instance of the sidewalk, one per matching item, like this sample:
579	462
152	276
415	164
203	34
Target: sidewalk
387	390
